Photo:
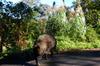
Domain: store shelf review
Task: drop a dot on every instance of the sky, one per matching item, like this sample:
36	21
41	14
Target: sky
58	2
49	2
14	1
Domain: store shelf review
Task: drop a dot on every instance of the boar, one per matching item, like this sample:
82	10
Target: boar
44	45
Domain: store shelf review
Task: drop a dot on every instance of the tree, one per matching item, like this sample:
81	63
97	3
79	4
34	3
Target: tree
91	10
13	23
29	2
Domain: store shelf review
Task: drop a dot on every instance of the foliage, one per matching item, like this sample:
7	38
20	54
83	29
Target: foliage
21	25
98	28
92	10
91	34
73	34
14	24
78	27
64	43
55	24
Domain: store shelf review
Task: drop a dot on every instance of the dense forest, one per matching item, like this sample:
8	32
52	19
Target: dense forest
22	23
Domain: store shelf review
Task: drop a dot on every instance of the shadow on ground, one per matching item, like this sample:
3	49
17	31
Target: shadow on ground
18	58
84	58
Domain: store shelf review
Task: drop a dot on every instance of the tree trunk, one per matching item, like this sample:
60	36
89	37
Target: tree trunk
0	45
1	38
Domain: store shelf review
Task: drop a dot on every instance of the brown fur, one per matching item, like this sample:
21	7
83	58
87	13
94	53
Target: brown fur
44	45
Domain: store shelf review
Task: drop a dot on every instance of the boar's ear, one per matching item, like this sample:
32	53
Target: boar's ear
36	46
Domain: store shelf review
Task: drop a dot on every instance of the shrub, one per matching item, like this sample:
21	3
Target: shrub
77	29
55	24
91	34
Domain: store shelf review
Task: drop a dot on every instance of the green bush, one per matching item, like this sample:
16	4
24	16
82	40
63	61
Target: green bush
96	44
56	25
91	34
76	29
64	43
98	28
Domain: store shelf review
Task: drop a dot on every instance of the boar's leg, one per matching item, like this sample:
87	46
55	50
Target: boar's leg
45	57
37	62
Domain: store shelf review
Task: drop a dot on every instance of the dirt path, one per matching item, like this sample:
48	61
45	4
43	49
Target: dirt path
65	59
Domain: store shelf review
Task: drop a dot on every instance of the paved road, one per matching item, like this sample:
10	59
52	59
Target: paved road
63	59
